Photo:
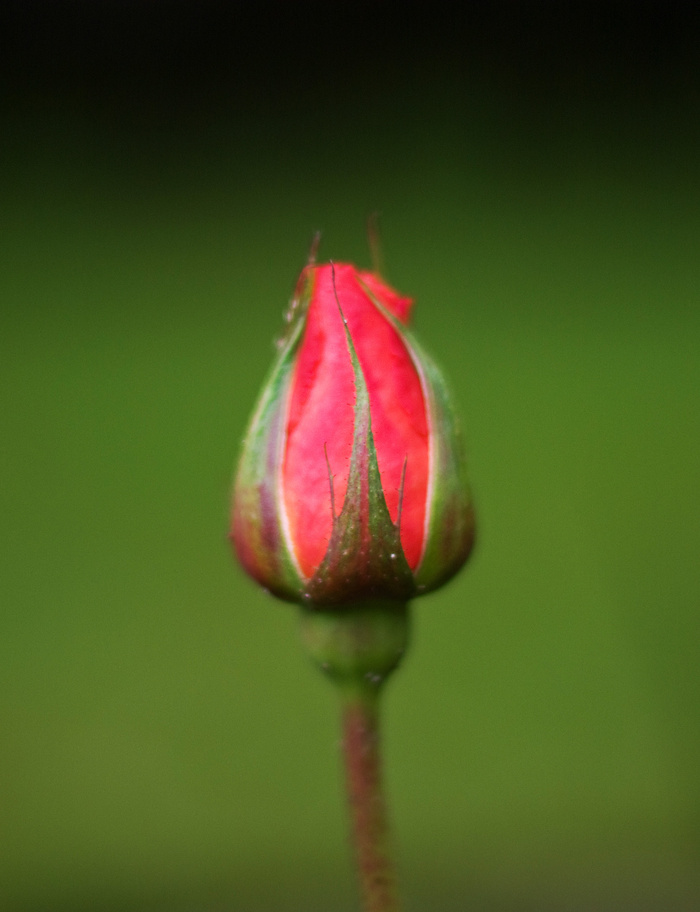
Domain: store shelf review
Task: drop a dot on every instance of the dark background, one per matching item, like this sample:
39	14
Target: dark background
163	167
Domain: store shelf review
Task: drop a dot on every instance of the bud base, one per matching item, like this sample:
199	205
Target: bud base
359	645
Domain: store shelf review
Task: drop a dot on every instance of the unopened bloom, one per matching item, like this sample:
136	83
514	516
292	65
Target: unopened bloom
351	482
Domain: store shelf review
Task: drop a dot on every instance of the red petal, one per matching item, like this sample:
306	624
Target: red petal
395	303
322	414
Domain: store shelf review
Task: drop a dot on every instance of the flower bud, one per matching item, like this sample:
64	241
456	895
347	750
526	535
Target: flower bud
351	482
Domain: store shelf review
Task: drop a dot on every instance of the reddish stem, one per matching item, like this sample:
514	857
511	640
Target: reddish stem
367	806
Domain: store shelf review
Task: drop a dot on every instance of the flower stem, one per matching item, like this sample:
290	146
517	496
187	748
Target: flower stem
368	810
358	647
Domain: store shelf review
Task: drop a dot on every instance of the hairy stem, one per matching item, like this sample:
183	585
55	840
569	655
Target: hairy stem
368	810
358	647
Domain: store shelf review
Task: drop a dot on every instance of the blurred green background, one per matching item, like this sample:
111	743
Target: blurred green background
165	745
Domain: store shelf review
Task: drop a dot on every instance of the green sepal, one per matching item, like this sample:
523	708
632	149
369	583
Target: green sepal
364	559
257	529
450	527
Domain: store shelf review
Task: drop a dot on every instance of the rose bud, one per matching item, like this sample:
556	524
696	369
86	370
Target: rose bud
351	482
